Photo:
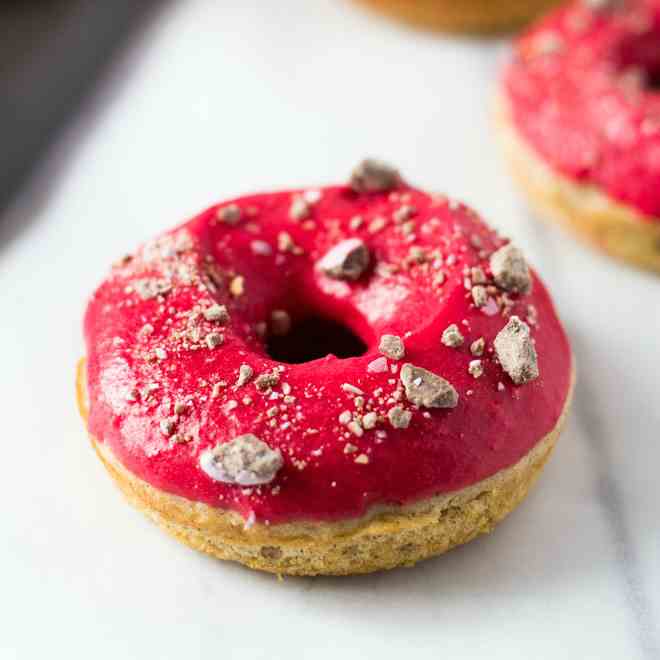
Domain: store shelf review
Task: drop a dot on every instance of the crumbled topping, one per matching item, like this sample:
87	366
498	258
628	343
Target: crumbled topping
476	368
355	428
362	459
452	336
403	213
267	381
350	448
351	389
510	270
346	260
373	175
377	366
477	275
150	287
300	208
477	347
237	286
479	295
280	322
377	224
245	461
424	388
180	407
392	347
216	313
516	352
214	339
370	420
261	248
245	373
230	214
398	417
345	417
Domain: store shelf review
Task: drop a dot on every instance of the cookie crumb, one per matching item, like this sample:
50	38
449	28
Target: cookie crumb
399	418
345	261
476	368
245	373
452	336
426	389
478	346
246	461
230	214
214	339
267	381
237	286
516	352
392	347
216	313
479	295
510	270
369	421
373	175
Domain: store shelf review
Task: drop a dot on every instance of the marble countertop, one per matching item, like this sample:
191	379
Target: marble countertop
220	98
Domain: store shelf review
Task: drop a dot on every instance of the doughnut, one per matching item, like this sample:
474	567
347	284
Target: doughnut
480	16
330	380
579	122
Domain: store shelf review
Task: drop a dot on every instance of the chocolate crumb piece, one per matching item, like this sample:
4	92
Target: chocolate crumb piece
245	461
214	339
265	382
398	417
476	368
346	260
245	373
216	313
477	347
510	270
373	175
392	347
424	388
150	287
362	459
369	421
479	295
230	214
280	322
237	286
299	209
452	336
516	352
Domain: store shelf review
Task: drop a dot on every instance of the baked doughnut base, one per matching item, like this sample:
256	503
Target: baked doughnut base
597	219
385	538
480	16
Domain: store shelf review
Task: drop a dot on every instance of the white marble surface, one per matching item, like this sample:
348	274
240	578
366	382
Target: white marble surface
221	98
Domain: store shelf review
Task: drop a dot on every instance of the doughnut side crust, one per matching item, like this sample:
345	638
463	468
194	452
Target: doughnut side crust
583	209
480	16
385	538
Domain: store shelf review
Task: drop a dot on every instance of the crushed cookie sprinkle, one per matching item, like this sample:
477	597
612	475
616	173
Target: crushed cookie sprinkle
452	336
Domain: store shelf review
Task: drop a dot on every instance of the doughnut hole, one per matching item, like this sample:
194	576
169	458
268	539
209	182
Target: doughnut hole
313	337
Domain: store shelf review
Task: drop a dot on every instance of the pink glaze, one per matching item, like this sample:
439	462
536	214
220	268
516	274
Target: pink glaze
584	92
493	426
